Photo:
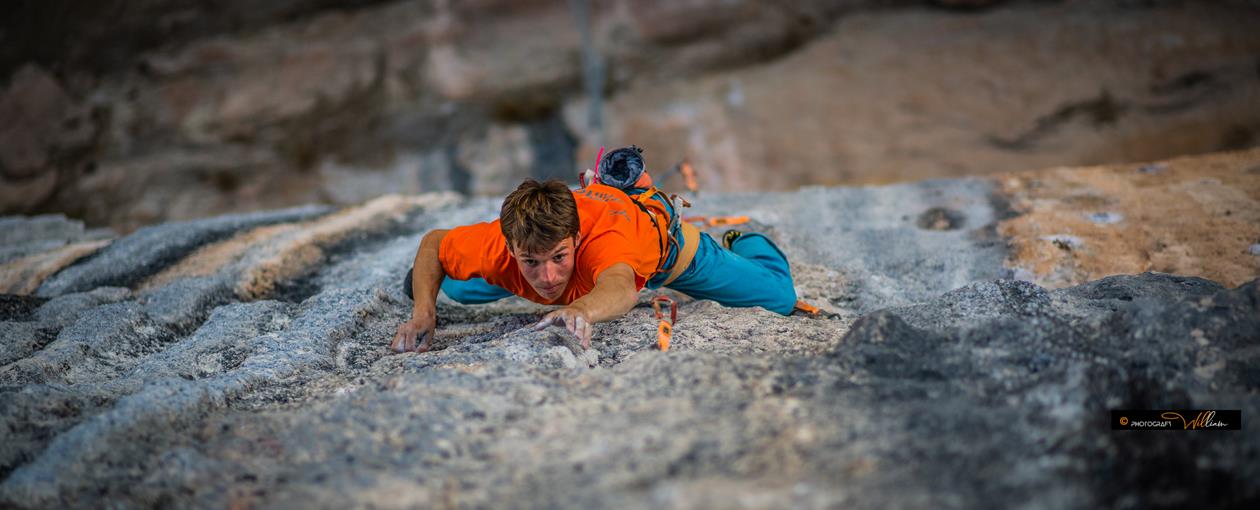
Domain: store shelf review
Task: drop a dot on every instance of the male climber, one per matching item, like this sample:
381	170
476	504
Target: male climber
590	250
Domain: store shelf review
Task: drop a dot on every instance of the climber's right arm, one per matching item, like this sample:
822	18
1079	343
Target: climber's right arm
426	278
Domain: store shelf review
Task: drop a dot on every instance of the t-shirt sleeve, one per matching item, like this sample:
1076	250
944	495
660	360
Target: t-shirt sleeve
607	249
473	251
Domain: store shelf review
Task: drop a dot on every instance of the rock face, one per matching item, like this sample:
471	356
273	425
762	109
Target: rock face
176	110
243	362
1190	215
893	96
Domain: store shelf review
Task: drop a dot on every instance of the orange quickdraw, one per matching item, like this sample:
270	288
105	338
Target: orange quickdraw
716	221
665	329
689	175
806	307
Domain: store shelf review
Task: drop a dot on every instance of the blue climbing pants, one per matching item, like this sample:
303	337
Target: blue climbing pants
474	291
752	273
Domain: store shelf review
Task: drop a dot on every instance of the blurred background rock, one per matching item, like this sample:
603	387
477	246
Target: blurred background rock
127	113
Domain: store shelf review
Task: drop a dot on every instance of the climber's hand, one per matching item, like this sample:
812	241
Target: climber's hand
573	319
415	334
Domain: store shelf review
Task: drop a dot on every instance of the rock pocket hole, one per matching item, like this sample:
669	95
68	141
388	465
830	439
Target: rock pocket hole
940	218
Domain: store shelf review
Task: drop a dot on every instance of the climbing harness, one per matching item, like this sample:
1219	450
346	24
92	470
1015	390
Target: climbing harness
623	169
686	251
691	243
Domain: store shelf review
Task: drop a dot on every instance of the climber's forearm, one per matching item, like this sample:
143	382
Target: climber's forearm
427	275
614	295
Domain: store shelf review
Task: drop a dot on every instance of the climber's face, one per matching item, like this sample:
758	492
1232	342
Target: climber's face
549	272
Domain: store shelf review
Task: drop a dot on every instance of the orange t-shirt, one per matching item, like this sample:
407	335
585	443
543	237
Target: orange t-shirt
613	230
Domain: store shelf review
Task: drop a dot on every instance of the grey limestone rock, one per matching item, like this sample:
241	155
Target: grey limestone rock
144	252
929	380
21	236
62	310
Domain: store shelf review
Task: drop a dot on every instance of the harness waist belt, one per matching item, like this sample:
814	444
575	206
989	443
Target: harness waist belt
691	242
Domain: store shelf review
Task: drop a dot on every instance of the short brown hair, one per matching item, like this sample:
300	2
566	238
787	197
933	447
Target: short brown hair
538	216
